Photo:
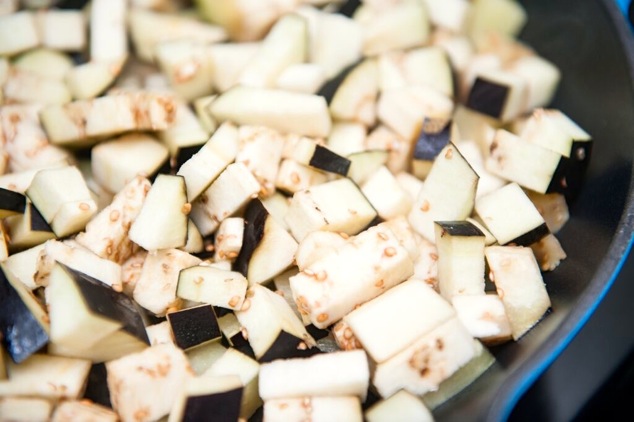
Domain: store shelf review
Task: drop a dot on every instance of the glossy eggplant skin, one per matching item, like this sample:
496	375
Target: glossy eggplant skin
593	46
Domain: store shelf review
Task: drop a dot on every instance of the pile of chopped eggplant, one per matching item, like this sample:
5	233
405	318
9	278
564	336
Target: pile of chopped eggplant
280	209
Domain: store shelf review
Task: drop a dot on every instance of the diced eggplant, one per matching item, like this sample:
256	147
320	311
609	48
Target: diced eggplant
329	374
498	94
462	378
244	21
483	316
424	364
542	79
326	292
317	245
80	122
26	409
28	87
162	221
402	406
402	26
344	337
107	233
317	409
428	145
519	284
97	386
355	98
11	203
386	195
62	29
156	287
27	230
335	41
488	182
306	78
398	148
210	160
308	152
284	45
84	312
510	216
18	33
194	326
201	397
184	136
347	138
148	28
552	207
108	35
79	259
383	326
143	385
201	108
115	163
303	114
228	239
260	149
160	333
448	193
23	322
489	239
293	176
271	327
338	206
187	66
210	285
528	164
233	362
548	252
83	410
131	270
46	376
195	242
267	248
233	188
229	59
364	163
232	331
460	247
201	358
504	16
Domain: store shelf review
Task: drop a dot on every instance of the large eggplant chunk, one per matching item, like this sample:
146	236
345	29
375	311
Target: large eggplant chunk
23	322
460	258
204	396
86	313
325	291
271	327
267	248
328	374
511	217
195	326
381	325
519	284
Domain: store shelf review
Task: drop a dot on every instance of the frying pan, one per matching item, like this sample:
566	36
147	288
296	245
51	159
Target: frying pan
592	45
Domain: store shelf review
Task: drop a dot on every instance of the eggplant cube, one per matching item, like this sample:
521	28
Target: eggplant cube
202	397
46	376
271	326
498	94
528	164
428	145
460	258
424	364
145	385
267	248
63	199
386	195
316	409
233	188
519	284
82	410
194	326
260	149
381	324
355	98
329	374
448	193
22	320
234	362
162	221
511	217
19	33
84	311
206	284
402	406
28	409
484	316
360	270
11	203
338	206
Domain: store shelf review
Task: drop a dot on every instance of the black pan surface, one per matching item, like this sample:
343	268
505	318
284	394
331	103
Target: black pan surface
592	45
